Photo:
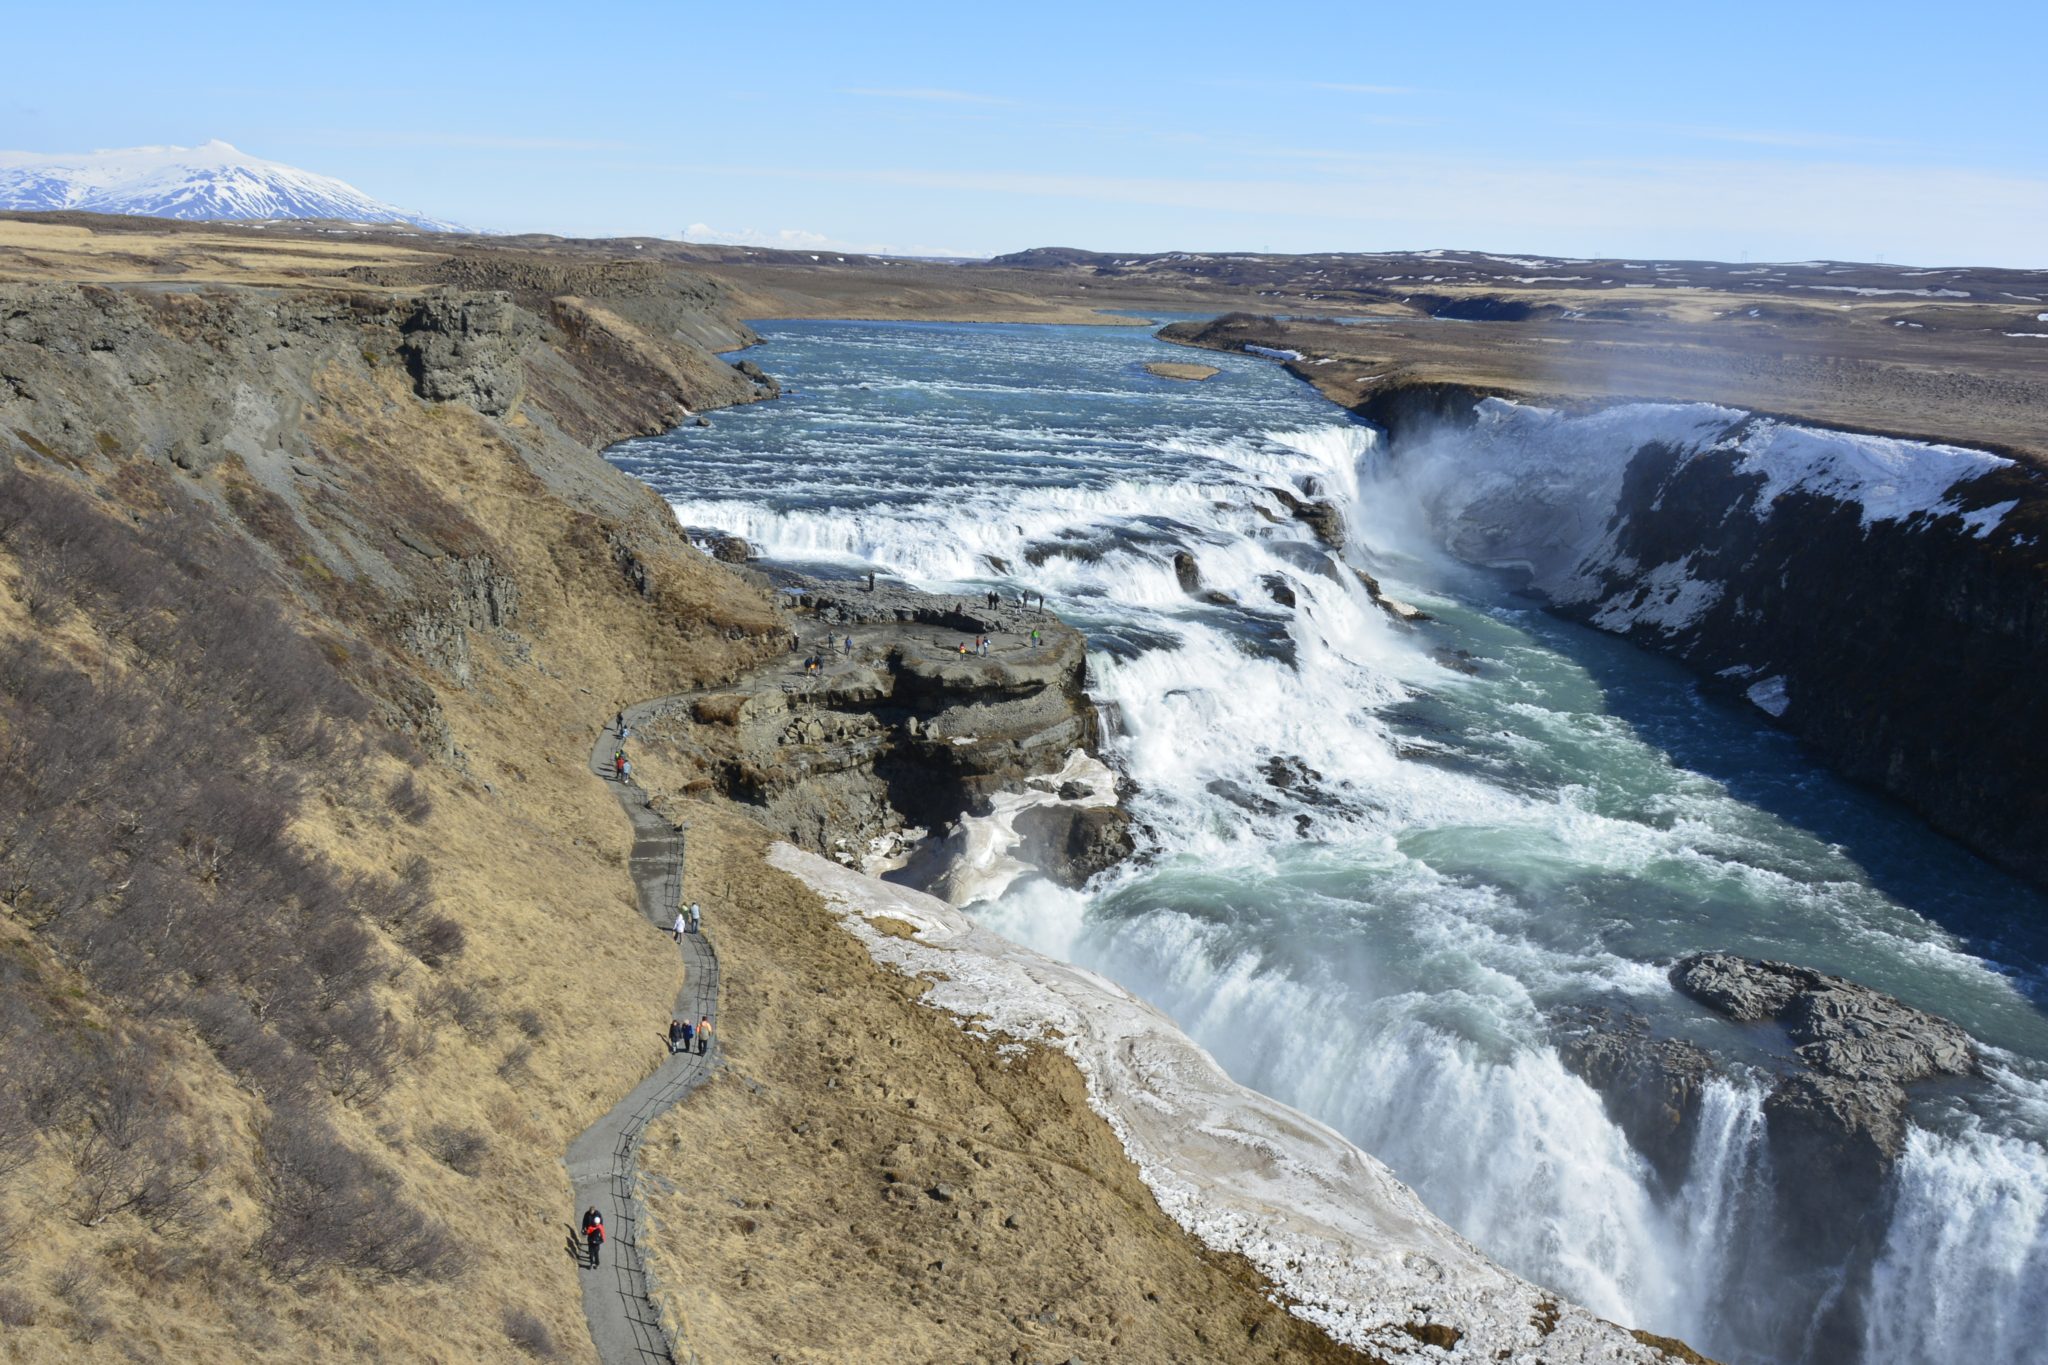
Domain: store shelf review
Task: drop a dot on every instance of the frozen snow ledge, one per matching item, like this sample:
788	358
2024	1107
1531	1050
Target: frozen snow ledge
1351	1248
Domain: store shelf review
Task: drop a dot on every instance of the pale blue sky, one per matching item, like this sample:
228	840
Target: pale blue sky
1781	131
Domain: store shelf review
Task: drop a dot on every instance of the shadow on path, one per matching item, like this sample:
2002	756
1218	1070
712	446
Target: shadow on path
624	1324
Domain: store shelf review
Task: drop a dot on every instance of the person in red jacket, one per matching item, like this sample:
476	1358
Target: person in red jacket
593	1233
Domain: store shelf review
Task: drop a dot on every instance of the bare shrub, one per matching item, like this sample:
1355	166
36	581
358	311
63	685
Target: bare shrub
330	1206
469	1007
410	801
530	1334
16	1308
362	1050
530	1022
461	1150
73	1286
436	940
518	1063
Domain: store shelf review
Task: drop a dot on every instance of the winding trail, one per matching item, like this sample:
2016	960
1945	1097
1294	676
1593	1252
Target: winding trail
617	1299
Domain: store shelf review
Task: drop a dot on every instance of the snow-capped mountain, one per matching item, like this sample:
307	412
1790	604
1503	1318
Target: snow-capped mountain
214	181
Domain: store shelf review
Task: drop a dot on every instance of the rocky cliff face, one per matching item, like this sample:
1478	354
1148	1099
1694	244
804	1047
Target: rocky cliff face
896	730
1886	600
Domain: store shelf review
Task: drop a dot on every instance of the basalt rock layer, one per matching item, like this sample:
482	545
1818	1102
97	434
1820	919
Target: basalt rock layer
878	722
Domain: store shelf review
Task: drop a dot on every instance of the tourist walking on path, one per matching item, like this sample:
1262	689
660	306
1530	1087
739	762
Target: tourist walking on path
703	1034
593	1233
696	918
688	1034
619	764
619	725
678	1036
679	928
849	646
626	770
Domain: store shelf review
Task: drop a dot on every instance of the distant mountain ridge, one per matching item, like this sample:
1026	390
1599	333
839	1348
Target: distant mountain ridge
197	183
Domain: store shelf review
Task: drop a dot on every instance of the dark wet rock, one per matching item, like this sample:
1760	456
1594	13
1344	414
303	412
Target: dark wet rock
1319	515
1457	660
729	549
1290	774
1729	985
1070	844
703	422
1838	1028
767	384
1277	588
1399	610
1187	571
1651	1087
1835	1125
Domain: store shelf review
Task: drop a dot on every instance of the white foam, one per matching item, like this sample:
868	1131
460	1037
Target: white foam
1351	1247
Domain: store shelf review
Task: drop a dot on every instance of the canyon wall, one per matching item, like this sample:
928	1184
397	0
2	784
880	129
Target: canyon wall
1885	600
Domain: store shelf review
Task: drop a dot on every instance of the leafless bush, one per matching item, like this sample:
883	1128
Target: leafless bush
531	1022
410	801
16	1308
530	1334
436	940
469	1007
331	1206
130	1153
518	1063
361	1052
73	1286
459	1149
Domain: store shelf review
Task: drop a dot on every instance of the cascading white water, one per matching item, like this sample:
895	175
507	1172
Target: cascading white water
1370	876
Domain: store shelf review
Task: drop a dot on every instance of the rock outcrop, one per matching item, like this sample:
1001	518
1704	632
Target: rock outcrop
1652	1086
1835	1116
1844	1114
903	731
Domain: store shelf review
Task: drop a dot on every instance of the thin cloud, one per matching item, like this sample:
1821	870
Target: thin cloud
1345	87
470	141
803	239
1773	137
929	96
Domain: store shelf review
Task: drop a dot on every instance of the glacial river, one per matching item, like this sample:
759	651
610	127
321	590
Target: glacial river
1368	876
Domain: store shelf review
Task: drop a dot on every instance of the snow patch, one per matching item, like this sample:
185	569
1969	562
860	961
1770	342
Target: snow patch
1271	352
1770	695
1667	597
1984	520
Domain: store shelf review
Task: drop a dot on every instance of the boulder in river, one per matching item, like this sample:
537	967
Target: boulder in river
1070	844
1187	571
1837	1027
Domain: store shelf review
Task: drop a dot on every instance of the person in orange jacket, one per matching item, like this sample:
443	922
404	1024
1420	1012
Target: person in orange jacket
593	1233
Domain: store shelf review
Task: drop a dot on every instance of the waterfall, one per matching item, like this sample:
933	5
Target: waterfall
1369	876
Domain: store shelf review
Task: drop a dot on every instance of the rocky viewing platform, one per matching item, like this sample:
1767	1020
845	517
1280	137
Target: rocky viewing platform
884	721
